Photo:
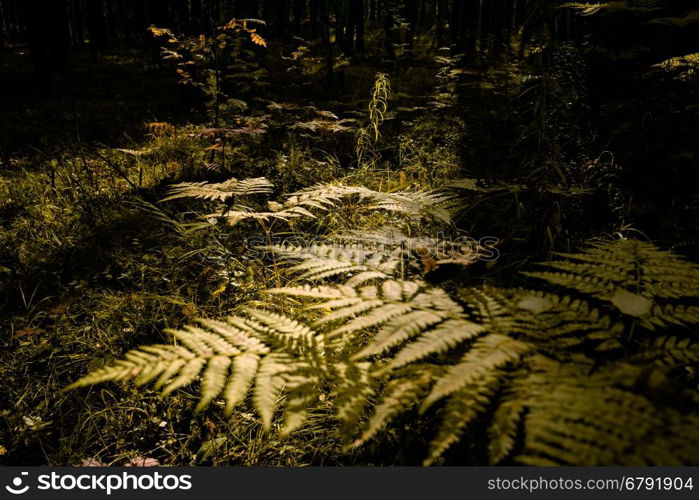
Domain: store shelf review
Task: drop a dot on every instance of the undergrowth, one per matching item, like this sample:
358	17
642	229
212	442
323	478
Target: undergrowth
341	283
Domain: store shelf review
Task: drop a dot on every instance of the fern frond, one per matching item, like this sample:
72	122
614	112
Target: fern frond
503	429
213	380
390	240
327	261
488	354
404	306
588	9
399	395
461	409
188	374
605	267
237	332
244	370
268	386
240	214
440	206
555	322
442	338
637	278
257	39
317	292
400	330
220	191
353	393
228	357
671	351
296	410
575	416
286	333
426	204
321	197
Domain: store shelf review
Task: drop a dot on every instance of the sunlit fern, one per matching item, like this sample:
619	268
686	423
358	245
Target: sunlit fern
571	375
327	260
221	191
320	198
262	353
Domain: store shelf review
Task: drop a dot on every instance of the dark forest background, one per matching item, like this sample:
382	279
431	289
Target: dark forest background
557	123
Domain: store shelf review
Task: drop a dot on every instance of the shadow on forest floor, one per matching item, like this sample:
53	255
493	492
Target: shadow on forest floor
107	100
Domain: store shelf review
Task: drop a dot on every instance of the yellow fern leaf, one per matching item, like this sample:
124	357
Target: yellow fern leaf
257	39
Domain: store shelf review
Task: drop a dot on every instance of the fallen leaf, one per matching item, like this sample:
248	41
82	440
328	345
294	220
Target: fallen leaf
630	303
534	304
